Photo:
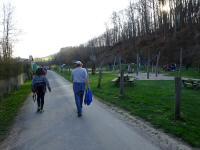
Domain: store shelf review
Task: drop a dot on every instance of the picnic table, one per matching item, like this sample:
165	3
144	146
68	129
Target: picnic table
191	83
127	79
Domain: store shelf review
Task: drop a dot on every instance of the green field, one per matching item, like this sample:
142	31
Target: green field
190	73
9	107
154	101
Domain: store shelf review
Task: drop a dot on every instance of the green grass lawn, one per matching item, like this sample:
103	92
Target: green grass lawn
154	101
9	107
65	74
190	73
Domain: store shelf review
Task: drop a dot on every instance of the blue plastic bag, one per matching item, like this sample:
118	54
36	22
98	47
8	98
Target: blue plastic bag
88	97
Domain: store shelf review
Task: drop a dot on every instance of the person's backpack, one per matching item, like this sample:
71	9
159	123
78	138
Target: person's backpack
40	87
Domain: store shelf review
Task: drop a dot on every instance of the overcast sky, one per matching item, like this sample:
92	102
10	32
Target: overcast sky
48	25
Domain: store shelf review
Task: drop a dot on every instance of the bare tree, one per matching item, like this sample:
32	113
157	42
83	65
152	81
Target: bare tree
8	32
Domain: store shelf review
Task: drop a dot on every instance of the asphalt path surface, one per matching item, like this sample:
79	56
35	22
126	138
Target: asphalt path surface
59	128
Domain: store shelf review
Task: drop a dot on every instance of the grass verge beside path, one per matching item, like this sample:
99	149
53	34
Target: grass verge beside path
9	107
154	101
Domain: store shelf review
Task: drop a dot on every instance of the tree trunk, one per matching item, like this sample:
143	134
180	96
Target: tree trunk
114	63
180	59
121	82
199	68
121	78
93	69
157	62
178	98
137	71
148	64
100	77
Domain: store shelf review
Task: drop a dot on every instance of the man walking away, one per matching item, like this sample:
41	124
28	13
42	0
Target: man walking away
79	78
39	84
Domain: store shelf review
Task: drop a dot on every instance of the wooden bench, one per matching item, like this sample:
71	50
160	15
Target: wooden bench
190	83
115	80
126	80
131	80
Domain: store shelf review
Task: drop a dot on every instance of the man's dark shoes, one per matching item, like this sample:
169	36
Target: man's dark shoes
79	114
38	110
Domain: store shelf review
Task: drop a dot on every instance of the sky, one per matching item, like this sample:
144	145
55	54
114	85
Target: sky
47	25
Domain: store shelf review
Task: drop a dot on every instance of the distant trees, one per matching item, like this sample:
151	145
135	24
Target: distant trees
155	19
156	16
148	17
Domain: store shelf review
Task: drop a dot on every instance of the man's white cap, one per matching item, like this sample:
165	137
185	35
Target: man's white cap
78	62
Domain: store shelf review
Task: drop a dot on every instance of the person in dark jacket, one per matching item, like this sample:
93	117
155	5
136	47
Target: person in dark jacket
39	85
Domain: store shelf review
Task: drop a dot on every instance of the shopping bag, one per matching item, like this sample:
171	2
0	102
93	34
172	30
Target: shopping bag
88	97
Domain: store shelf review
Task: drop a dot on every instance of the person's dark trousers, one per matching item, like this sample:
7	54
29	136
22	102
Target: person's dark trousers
40	101
79	101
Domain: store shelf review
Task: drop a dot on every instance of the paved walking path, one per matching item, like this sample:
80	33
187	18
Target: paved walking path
59	128
143	76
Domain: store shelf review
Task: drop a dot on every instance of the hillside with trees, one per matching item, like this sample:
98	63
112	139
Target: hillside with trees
145	27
